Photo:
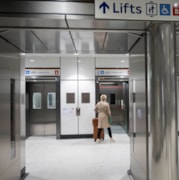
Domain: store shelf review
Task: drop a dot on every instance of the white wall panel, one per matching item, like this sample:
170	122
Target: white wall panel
42	62
86	68
112	62
69	120
68	68
87	112
121	61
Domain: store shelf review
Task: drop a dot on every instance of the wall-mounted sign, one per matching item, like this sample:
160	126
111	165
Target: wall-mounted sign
112	72
42	72
85	97
70	98
166	10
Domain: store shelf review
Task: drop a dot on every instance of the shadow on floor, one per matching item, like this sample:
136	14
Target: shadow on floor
28	177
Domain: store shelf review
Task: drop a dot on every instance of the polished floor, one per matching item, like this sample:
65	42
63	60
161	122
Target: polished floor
78	159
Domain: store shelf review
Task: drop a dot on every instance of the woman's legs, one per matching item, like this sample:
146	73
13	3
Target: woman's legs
110	135
109	132
99	133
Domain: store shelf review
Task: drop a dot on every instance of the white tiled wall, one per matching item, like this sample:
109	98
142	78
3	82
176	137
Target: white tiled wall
48	61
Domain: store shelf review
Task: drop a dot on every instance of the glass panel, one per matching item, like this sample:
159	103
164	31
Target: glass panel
51	100
37	101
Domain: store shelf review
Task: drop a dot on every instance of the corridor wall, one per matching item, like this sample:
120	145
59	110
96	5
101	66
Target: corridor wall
137	111
11	159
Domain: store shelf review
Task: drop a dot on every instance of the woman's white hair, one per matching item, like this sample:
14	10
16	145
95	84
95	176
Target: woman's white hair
103	97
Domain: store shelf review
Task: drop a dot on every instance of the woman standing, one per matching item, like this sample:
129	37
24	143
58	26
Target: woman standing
104	113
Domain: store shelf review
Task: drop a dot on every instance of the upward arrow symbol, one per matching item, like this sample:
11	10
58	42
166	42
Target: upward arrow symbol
104	6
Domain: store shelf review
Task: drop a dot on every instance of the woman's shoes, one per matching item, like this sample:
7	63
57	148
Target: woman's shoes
112	140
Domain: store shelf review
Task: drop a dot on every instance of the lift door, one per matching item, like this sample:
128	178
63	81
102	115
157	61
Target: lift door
42	108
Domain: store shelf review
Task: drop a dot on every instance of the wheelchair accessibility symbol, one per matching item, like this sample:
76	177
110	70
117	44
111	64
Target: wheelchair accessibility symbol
165	9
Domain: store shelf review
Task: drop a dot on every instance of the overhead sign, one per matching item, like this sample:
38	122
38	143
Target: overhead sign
166	10
42	72
112	72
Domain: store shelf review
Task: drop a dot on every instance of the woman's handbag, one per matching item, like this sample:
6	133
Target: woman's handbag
110	120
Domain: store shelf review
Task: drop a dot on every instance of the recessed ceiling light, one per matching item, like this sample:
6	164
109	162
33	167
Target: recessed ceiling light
32	60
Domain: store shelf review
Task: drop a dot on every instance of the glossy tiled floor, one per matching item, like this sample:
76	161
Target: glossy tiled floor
78	159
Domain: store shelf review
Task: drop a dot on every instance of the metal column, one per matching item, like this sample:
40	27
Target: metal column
163	140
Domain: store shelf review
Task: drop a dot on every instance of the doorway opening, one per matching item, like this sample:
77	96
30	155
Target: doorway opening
117	92
42	106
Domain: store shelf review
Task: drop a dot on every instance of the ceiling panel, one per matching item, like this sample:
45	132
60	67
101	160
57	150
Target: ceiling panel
85	22
34	21
50	38
76	34
132	39
84	41
33	44
26	41
6	47
66	43
68	34
116	43
99	39
15	38
65	28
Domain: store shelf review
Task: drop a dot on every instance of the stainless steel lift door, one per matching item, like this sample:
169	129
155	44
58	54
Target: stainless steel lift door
42	109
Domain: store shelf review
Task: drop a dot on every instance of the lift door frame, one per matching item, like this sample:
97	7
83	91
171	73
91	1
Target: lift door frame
50	78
